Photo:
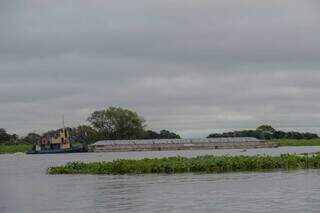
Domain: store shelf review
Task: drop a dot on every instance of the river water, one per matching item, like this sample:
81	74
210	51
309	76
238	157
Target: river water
26	188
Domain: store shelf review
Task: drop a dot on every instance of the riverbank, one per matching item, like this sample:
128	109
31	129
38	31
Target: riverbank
201	164
11	149
23	148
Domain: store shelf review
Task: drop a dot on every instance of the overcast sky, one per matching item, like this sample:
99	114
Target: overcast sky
193	67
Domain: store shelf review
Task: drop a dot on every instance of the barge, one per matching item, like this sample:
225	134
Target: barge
178	144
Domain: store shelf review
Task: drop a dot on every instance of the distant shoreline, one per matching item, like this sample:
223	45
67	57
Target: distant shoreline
14	148
18	148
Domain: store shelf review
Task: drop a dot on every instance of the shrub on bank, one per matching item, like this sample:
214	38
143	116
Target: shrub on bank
9	149
201	164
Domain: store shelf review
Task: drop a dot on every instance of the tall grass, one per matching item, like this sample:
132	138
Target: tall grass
202	164
9	149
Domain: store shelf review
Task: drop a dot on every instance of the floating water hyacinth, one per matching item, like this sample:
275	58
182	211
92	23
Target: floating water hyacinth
202	164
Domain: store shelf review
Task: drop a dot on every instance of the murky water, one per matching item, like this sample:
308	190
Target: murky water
25	187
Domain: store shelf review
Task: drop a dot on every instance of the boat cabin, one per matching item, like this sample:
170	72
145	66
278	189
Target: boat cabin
55	141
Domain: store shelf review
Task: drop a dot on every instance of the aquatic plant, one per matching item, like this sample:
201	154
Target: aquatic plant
201	164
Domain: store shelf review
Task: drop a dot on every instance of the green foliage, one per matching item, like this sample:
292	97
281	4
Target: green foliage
164	134
266	132
6	138
118	123
9	149
85	134
201	164
266	129
31	138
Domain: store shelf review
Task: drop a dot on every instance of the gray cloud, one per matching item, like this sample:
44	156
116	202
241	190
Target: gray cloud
189	66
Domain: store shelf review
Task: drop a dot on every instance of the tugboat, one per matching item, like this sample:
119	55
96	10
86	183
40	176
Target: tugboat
57	142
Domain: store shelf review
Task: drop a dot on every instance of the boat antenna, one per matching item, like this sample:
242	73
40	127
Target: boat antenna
63	122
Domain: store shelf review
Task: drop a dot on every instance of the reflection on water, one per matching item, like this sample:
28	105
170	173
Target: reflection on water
25	188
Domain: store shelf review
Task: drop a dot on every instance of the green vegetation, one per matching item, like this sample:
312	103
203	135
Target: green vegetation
293	142
118	123
9	149
202	164
164	134
6	138
266	132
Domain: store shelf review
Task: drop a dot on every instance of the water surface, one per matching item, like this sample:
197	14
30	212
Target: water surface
25	187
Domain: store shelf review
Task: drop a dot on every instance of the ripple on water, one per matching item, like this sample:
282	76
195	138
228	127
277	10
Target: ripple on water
24	187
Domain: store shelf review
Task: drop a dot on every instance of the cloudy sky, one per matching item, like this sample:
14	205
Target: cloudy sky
189	66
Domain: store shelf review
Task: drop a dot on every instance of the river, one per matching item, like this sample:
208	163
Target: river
26	188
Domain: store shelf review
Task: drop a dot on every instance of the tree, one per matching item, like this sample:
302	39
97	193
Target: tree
85	134
266	129
265	132
164	134
4	136
309	135
149	134
118	123
31	138
279	134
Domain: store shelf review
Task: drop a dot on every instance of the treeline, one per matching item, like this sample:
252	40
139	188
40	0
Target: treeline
113	123
266	132
164	134
86	134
